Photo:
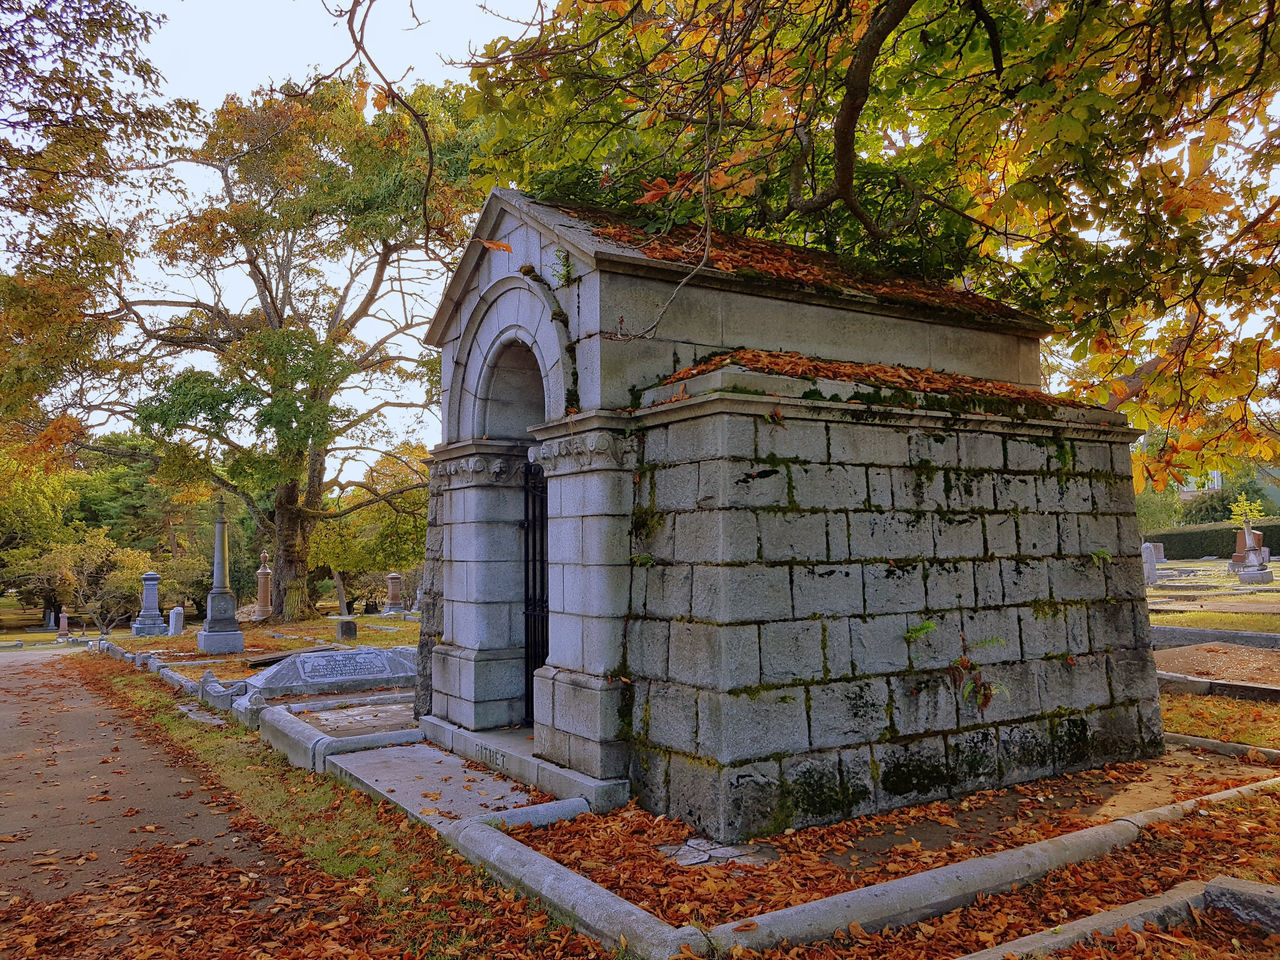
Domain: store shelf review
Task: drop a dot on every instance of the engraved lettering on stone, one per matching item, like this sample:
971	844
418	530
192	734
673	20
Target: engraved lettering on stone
342	666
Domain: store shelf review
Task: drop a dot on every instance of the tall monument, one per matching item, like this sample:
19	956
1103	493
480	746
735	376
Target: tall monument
221	633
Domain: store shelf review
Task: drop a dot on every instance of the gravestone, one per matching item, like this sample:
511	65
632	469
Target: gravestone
50	620
337	671
1149	573
150	622
177	621
394	603
346	630
262	609
1158	547
64	627
221	633
1253	566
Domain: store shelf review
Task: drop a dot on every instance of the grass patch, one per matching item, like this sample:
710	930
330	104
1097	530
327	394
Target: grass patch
1222	718
1208	620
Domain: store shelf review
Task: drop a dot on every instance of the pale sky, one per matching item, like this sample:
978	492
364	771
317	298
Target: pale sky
211	48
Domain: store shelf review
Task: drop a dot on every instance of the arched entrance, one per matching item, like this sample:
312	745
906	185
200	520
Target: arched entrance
513	400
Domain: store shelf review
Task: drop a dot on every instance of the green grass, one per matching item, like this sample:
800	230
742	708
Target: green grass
332	825
1222	718
1207	620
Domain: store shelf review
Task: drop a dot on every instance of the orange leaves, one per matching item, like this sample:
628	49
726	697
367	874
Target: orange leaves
656	191
791	364
498	246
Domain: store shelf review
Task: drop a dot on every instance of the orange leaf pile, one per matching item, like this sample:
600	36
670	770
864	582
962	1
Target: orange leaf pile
750	258
792	364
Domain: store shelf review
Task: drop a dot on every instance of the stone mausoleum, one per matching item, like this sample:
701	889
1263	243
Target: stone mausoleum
753	589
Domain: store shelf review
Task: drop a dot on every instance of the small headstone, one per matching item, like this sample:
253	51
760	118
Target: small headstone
50	620
177	621
64	627
150	622
1158	547
1149	575
346	631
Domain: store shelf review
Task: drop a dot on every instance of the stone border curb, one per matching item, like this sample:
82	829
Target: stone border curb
1165	637
1227	747
926	894
188	687
933	892
1241	690
1170	907
1257	904
592	909
307	747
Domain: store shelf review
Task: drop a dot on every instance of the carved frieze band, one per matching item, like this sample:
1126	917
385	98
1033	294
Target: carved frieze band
595	450
489	470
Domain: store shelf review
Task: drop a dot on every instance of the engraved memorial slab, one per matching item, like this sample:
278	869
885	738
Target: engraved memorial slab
337	671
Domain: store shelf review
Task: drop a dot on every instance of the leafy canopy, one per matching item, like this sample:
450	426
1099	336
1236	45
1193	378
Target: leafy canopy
1105	165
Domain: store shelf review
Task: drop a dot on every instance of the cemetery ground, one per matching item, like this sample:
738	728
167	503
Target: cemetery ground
210	844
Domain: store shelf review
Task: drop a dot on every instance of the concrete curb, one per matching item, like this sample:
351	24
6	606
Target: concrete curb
1171	907
926	894
307	747
1257	904
596	911
295	738
538	815
1181	683
329	746
1163	637
188	687
1227	747
1176	811
593	910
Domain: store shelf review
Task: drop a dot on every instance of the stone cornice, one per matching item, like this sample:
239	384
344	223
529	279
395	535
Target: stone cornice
592	450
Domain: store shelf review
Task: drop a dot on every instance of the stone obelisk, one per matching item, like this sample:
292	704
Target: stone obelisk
221	633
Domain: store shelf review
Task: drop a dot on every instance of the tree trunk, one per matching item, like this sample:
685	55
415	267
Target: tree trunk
289	598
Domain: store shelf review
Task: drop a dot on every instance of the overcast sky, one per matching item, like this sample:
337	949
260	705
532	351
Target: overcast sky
212	48
209	49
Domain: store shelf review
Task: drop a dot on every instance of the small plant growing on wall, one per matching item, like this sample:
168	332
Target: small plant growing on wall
967	676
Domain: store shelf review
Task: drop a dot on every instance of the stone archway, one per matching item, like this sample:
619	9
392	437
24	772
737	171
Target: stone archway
480	671
511	398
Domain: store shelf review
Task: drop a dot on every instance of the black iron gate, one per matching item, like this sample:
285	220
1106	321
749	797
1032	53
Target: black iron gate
535	579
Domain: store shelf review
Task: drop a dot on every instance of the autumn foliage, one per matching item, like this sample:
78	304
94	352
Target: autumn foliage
1106	166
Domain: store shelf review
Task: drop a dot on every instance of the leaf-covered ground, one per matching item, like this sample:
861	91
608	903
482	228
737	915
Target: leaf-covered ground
1210	935
619	850
342	876
1254	722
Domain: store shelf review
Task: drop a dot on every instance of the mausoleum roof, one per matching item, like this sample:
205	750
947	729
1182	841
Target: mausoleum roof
753	259
791	364
762	267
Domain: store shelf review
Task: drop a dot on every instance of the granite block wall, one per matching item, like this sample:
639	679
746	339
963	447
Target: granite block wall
837	610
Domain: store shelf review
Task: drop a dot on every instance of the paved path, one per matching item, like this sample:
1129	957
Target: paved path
80	790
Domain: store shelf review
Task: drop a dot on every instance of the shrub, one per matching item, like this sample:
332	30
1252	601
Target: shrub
1213	539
